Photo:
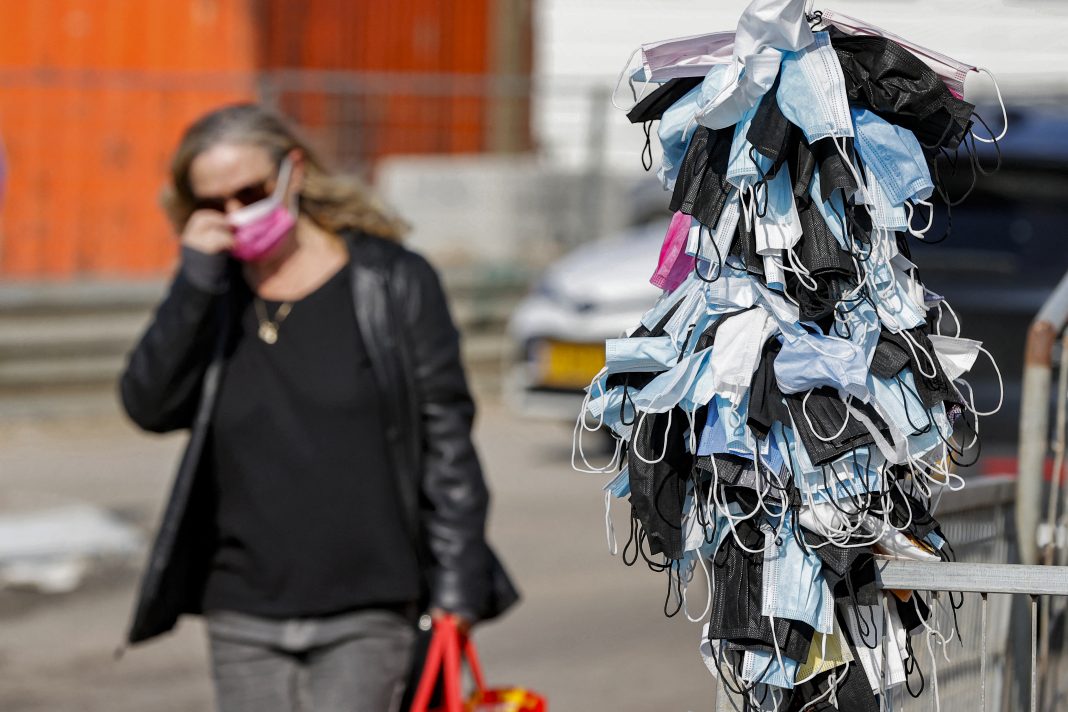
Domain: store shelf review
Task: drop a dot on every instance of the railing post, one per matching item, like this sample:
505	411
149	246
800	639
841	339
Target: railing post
1034	417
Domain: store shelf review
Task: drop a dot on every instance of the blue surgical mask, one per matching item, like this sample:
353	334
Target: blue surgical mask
669	388
609	408
794	588
812	93
883	213
815	360
763	666
619	486
667	302
741	169
648	354
725	431
893	301
894	156
675	131
862	324
901	409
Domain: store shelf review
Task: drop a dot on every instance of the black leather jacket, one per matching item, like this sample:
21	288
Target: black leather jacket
171	381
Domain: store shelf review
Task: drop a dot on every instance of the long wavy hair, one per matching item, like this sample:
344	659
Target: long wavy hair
334	201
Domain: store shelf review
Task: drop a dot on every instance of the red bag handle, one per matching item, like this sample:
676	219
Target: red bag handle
447	647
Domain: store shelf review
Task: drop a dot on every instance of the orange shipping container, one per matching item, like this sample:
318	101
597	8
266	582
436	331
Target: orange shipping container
94	95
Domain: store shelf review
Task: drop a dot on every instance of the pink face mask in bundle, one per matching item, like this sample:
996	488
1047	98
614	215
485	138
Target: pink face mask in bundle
260	228
674	264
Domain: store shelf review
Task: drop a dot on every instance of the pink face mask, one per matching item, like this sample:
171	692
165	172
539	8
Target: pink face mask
675	264
260	228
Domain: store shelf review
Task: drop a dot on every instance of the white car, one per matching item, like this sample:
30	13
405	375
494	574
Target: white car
594	293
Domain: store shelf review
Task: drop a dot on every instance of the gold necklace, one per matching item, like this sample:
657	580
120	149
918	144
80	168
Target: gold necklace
268	331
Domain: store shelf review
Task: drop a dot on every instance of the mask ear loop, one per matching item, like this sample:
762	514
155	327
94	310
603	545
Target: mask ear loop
610	529
698	258
619	81
1004	113
580	426
919	234
970	406
905	393
938	321
761	182
953	202
708	595
1001	386
647	147
917	349
731	519
831	695
638	428
811	425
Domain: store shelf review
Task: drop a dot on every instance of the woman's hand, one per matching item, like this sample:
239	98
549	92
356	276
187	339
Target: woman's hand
208	231
462	624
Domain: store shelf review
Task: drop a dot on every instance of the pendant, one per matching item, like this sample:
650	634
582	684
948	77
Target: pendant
268	332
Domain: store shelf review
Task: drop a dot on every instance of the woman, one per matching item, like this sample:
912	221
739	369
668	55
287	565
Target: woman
330	492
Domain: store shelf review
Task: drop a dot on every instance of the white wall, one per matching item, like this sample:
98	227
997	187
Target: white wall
581	45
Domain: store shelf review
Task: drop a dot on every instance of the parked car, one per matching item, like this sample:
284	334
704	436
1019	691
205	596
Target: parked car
1006	253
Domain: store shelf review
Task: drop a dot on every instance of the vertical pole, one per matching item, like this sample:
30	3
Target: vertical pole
982	658
1034	653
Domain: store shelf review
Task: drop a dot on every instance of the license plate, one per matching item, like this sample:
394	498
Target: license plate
564	364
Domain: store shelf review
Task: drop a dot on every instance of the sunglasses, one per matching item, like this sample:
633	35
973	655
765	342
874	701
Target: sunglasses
249	194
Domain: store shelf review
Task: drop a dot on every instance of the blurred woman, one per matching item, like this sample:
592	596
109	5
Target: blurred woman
329	493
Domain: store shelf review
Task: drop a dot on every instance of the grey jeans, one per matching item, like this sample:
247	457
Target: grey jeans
355	662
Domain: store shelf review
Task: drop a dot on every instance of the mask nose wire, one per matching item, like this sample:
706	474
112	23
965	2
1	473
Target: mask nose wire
1001	103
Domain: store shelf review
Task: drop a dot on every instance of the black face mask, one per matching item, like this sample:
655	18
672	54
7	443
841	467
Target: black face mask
701	188
771	133
834	175
766	404
830	267
657	491
891	81
891	355
827	413
736	605
652	107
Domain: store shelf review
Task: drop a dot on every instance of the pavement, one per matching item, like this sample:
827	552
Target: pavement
590	633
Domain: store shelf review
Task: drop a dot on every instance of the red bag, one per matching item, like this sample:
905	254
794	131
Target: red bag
447	648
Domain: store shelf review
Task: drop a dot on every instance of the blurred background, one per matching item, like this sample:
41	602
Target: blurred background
489	124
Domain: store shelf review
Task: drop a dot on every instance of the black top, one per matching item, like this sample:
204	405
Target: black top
308	514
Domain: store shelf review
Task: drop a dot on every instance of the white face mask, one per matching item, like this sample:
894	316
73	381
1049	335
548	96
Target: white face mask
956	355
766	29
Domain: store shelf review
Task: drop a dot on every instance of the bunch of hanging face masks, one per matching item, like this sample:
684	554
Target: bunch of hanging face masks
792	406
